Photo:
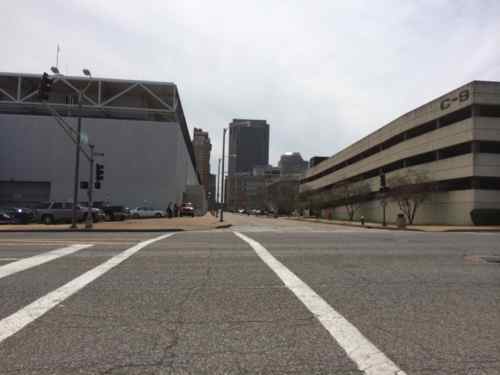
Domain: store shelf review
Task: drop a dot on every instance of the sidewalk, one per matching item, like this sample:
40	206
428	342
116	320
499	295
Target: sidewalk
390	226
206	222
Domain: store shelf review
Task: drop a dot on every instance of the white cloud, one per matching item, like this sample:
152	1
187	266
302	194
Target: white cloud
322	73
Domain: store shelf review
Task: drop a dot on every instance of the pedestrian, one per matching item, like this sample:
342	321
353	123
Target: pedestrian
169	210
176	210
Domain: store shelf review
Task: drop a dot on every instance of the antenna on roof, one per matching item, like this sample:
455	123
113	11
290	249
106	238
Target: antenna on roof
57	55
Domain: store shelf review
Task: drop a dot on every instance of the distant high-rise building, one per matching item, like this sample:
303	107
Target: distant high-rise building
202	148
315	160
292	163
248	145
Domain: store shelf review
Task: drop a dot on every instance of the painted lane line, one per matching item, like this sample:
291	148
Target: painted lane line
367	357
18	320
26	263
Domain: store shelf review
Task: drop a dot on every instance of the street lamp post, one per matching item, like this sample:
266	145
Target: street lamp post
217	195
77	151
222	175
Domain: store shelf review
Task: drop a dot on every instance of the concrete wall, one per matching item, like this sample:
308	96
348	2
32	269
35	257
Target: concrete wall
145	163
451	207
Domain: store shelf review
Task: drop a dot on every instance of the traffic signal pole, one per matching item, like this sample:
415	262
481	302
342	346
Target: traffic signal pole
90	219
77	162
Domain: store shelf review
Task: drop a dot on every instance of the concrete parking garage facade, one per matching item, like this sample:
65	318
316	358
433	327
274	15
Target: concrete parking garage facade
454	140
138	125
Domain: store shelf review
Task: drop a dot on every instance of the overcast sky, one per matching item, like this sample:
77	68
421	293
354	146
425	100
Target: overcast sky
322	73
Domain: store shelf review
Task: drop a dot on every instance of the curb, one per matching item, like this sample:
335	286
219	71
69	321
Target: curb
451	230
223	226
102	230
90	230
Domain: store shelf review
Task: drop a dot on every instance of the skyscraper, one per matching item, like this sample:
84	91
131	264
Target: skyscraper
248	145
202	148
292	163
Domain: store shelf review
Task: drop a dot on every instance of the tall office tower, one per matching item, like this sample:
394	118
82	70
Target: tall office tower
248	145
202	148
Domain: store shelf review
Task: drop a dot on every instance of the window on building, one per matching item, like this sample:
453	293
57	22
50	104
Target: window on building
489	147
454	117
421	159
489	110
421	129
456	150
489	183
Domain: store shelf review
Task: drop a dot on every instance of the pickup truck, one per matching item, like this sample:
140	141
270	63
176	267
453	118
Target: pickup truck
52	212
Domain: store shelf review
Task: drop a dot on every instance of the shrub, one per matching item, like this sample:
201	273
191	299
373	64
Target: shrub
485	216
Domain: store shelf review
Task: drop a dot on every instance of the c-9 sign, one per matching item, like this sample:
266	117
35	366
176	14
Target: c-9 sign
463	96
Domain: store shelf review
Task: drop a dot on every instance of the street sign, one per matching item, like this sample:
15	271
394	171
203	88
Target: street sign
84	184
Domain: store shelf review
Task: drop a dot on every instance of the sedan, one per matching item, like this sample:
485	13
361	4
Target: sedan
146	212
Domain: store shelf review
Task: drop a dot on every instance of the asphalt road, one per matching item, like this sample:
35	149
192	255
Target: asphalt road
268	296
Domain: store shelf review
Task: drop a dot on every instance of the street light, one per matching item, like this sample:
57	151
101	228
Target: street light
79	135
222	174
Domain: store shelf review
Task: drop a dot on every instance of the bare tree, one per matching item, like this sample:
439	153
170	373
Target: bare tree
283	195
351	195
409	190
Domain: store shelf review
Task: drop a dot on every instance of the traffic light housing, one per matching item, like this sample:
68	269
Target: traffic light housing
45	87
99	172
382	181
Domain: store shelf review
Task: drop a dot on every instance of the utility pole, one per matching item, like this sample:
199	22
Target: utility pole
77	161
217	194
222	174
90	219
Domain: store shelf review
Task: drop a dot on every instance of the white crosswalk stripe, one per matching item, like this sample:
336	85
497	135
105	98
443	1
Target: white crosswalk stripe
24	264
367	356
18	320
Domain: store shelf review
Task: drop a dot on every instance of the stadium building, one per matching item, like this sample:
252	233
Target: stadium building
138	125
454	140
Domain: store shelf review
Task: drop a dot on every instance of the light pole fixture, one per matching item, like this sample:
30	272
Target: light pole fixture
77	152
222	175
54	70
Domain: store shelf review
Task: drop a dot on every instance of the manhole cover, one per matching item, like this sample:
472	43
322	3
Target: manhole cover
491	259
476	259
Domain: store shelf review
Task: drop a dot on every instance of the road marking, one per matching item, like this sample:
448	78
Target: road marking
26	263
362	352
18	320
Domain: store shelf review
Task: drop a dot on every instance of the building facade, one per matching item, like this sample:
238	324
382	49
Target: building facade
202	148
291	163
248	145
454	140
139	126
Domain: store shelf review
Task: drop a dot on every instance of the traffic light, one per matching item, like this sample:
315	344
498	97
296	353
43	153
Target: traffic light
97	185
382	181
45	87
99	172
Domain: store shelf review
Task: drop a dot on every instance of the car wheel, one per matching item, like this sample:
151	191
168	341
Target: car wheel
48	219
136	216
157	215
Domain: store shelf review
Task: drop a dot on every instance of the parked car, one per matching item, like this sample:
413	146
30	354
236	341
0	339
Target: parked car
146	212
187	209
5	219
52	212
97	213
20	215
114	213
